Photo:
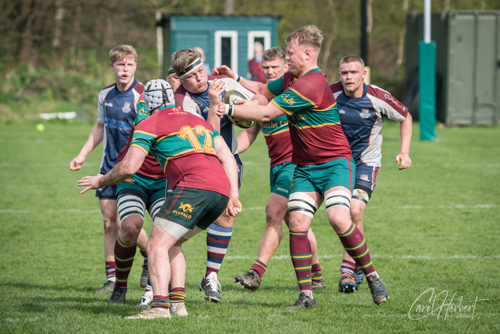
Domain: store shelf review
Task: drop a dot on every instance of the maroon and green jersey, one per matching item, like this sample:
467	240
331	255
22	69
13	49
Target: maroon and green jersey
313	117
278	142
150	166
183	144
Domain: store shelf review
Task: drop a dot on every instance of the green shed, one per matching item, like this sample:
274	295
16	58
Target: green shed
226	40
467	64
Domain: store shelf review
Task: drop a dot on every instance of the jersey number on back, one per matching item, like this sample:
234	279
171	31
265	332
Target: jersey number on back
191	135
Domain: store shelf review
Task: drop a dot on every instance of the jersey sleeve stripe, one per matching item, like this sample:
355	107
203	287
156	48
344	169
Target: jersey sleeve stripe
146	133
280	108
276	133
270	92
314	126
140	147
304	98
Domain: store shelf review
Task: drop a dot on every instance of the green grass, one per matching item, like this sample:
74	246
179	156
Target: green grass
435	225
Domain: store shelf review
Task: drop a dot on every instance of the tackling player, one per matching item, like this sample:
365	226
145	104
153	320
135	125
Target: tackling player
195	160
278	142
325	170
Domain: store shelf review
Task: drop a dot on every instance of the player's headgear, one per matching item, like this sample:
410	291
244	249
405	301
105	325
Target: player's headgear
156	93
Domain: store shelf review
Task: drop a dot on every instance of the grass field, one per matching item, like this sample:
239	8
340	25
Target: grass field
434	226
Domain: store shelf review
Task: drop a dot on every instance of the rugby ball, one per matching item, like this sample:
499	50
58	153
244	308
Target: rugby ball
232	96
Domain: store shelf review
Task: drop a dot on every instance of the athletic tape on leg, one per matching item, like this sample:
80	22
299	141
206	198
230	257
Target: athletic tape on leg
361	195
303	203
338	198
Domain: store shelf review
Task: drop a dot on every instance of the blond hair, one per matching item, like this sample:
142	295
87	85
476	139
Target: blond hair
307	35
121	52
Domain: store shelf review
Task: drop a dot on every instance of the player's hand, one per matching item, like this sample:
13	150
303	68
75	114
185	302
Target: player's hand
221	109
76	163
403	160
90	182
215	90
233	207
223	70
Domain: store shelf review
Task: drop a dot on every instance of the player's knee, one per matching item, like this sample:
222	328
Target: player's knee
356	214
130	230
302	203
274	216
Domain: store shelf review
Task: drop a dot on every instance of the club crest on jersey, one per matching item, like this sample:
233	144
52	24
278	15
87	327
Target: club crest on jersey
142	110
130	180
288	99
126	107
365	113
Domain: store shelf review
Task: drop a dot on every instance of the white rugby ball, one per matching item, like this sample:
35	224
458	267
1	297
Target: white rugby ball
232	96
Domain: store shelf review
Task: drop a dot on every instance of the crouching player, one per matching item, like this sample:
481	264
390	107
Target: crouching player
203	174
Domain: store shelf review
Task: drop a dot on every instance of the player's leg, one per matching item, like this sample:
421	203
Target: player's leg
159	244
172	227
337	202
111	224
218	237
157	190
131	201
177	294
316	273
269	242
302	206
363	188
142	242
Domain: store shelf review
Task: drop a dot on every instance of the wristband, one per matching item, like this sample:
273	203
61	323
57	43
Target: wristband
237	77
228	110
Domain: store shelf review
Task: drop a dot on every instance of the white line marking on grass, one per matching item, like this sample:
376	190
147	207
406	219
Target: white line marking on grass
402	257
50	211
39	164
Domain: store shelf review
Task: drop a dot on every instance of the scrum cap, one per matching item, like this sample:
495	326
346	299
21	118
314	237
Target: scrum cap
156	93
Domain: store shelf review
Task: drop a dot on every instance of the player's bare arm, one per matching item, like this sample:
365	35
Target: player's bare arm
247	137
120	172
254	86
95	138
227	161
252	112
403	158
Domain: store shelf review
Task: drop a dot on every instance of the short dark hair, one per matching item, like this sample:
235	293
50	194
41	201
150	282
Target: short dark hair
273	53
350	59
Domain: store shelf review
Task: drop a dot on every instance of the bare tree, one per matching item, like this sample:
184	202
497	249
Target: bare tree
330	36
58	20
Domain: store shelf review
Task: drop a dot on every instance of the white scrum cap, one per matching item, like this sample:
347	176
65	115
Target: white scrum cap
156	93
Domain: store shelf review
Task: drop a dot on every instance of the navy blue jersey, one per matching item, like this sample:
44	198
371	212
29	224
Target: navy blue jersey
117	110
362	119
199	104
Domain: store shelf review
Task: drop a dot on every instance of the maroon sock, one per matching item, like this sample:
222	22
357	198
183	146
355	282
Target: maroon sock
259	267
124	257
300	250
354	243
